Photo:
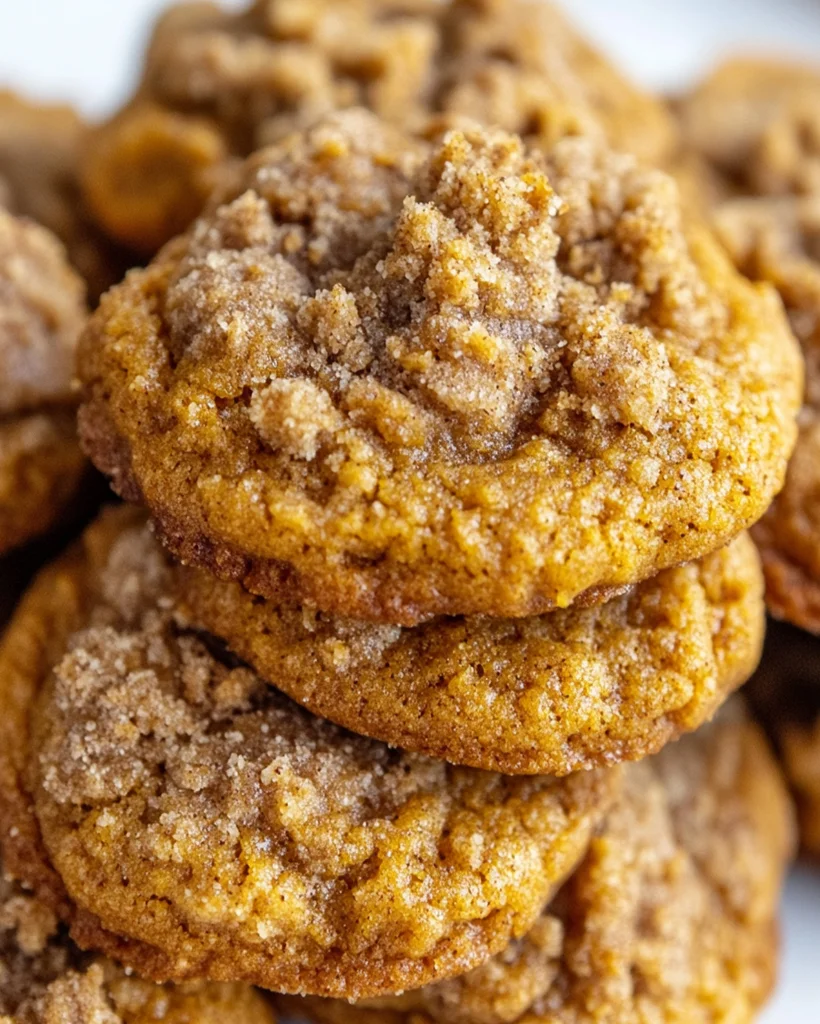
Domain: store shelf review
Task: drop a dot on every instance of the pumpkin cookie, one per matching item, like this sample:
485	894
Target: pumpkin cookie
203	826
393	380
218	83
41	313
46	979
785	692
671	916
778	240
552	693
40	151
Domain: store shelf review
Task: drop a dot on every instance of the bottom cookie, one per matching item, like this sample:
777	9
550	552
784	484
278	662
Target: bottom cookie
46	979
785	693
671	916
191	822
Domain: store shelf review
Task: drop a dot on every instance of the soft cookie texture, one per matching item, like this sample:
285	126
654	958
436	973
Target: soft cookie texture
42	311
188	820
671	916
393	379
785	693
46	979
558	692
218	84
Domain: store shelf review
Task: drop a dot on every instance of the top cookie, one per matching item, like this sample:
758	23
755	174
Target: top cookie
398	379
217	83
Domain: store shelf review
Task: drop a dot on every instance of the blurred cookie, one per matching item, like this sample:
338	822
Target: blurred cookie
188	820
219	83
671	916
559	692
40	151
785	692
46	979
393	380
778	240
757	122
41	313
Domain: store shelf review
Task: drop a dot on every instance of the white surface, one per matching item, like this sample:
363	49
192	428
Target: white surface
85	50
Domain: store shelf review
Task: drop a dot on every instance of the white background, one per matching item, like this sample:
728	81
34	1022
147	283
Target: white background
87	50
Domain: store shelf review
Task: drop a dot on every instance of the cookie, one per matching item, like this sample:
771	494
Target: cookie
40	152
393	380
46	979
191	822
220	83
554	693
778	241
757	122
785	692
41	313
671	916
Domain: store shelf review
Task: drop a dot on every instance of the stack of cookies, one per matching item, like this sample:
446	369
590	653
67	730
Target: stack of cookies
439	427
